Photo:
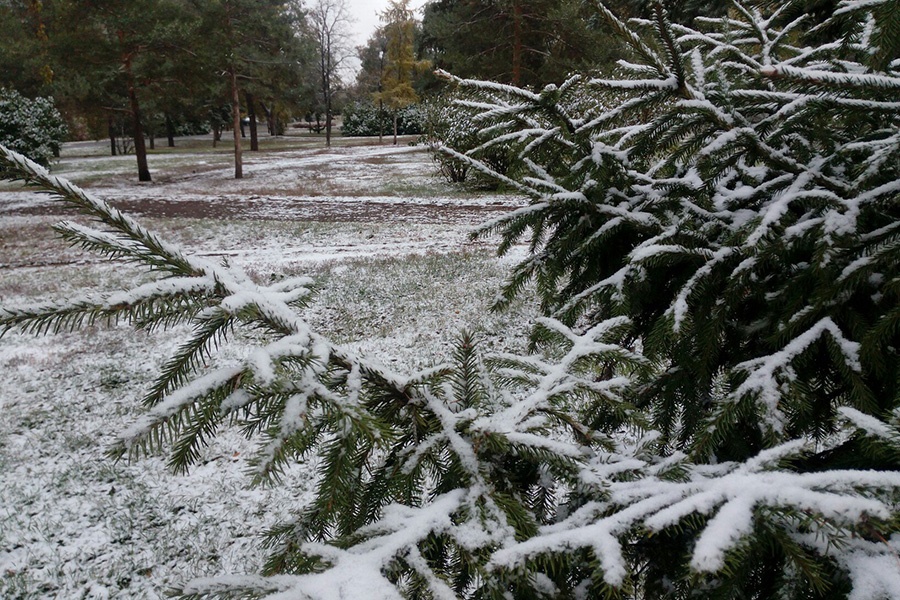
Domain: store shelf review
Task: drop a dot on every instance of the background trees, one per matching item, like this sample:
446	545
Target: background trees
522	42
329	23
249	45
24	62
370	78
140	68
109	54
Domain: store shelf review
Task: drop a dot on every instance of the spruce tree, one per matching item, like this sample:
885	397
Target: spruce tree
712	407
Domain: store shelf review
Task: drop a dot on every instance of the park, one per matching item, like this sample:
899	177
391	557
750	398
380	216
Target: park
554	300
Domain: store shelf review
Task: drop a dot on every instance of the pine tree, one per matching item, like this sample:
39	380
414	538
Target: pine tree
713	408
736	198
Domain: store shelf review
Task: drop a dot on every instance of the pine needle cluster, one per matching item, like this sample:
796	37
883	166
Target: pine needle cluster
712	409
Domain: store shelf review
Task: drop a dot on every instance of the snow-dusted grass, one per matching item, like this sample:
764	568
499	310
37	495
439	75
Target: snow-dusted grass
73	523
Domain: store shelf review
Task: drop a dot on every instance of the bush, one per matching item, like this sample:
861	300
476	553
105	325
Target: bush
33	127
449	121
363	119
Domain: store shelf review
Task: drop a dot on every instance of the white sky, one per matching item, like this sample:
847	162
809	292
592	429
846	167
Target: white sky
365	15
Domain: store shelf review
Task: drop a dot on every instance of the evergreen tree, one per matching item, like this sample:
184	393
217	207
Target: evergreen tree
107	52
24	61
244	39
714	411
370	79
522	42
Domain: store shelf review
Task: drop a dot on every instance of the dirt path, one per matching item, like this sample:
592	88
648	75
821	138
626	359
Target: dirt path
282	208
359	183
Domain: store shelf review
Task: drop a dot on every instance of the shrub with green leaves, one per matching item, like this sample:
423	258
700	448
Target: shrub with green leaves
365	119
449	122
33	127
714	409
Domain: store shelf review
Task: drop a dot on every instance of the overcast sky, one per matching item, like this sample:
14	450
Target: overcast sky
365	14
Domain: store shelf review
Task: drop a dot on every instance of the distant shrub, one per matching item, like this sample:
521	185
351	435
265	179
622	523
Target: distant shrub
32	127
363	119
448	121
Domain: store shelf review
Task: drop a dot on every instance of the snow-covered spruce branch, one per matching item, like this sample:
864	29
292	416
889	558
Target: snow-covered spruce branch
745	223
211	297
730	498
131	235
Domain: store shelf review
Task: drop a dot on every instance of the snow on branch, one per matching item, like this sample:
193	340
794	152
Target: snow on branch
851	80
764	375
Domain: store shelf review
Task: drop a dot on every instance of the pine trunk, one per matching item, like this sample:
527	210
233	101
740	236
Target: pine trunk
111	131
380	121
395	127
170	131
328	126
140	150
236	125
251	114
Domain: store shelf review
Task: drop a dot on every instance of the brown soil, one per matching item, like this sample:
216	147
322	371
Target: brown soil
292	209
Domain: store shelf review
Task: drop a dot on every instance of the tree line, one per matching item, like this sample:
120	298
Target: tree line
144	69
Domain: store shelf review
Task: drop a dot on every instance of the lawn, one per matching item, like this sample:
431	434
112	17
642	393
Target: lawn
387	244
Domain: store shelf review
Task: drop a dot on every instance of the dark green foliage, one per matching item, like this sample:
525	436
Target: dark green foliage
363	119
31	126
741	214
678	223
524	42
448	122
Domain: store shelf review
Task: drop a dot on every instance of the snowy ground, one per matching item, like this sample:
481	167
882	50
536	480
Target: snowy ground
385	239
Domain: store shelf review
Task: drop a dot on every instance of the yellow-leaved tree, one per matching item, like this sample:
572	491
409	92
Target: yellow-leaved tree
400	63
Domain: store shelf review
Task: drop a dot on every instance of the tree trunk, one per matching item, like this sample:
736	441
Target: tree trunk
517	43
236	122
111	130
170	131
140	150
325	70
268	113
395	127
380	121
251	114
152	138
328	125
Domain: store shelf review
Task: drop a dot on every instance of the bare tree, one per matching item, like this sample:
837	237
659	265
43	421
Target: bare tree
330	22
